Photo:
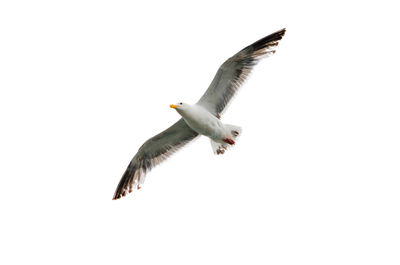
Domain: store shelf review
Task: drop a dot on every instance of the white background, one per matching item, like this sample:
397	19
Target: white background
314	179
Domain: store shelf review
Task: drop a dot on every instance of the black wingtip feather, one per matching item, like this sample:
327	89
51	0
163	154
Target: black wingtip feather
274	37
124	183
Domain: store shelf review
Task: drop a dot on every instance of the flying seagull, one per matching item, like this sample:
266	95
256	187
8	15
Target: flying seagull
202	118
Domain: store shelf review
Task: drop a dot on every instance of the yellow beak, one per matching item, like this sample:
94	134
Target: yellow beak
173	106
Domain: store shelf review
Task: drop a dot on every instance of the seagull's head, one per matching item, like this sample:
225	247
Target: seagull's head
179	106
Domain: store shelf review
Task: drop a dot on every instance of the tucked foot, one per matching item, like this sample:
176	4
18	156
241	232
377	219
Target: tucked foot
221	150
229	141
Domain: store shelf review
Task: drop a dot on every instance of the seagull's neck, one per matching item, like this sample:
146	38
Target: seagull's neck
185	112
193	112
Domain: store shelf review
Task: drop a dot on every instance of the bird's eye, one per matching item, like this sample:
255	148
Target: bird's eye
180	103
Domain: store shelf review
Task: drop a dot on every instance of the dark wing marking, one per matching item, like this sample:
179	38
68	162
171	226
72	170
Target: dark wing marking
234	71
153	152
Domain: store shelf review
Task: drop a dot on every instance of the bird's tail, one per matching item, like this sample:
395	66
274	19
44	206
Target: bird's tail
233	132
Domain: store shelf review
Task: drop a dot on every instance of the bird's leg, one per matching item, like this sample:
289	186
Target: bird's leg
229	141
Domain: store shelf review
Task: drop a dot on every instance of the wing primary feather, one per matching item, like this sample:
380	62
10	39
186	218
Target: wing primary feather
234	72
151	153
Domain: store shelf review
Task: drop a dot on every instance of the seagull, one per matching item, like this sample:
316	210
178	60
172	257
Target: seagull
202	118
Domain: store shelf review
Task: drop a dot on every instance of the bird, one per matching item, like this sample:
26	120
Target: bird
201	118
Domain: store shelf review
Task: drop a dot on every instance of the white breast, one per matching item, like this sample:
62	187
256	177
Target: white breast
203	122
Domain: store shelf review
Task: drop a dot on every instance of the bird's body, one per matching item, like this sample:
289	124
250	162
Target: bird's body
202	118
202	121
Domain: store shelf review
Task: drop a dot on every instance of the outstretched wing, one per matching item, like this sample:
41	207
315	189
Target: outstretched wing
153	152
234	71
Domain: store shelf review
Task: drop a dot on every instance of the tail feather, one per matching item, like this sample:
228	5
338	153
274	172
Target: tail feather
234	130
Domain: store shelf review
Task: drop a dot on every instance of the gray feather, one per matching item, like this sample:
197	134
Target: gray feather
153	152
234	71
